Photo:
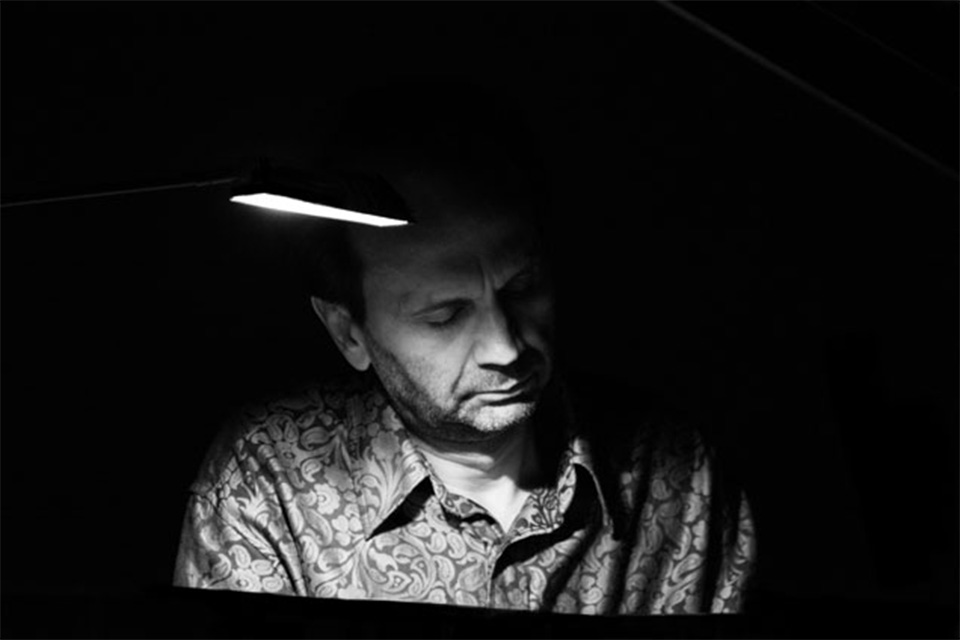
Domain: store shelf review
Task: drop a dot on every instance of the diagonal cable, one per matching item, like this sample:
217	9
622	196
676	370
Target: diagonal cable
802	84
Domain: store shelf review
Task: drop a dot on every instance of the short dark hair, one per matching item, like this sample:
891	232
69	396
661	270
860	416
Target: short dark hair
448	122
331	267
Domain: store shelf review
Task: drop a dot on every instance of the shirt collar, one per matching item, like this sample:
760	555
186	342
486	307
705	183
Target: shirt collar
578	453
387	466
582	451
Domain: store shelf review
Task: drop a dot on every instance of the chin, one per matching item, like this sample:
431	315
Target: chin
498	418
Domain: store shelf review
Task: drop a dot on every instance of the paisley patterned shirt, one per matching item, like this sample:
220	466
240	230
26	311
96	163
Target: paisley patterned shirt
323	494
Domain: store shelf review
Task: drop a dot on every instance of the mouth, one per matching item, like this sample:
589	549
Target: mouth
521	391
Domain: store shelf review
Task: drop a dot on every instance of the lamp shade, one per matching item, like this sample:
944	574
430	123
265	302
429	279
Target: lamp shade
336	195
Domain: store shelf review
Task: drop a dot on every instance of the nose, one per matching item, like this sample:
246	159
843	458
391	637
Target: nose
497	344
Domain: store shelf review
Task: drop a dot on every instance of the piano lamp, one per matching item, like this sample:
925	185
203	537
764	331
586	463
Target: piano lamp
334	195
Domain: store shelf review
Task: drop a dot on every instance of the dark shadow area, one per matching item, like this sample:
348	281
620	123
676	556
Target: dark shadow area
180	613
727	241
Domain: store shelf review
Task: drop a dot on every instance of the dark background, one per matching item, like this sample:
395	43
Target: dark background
729	239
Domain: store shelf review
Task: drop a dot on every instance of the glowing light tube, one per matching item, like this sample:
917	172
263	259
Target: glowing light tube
293	205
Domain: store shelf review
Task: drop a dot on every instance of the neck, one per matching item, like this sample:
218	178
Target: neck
497	474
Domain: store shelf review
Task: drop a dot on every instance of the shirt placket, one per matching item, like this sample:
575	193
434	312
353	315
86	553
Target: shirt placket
486	531
543	513
510	589
475	522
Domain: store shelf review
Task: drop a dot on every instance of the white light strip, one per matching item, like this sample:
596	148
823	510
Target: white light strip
292	205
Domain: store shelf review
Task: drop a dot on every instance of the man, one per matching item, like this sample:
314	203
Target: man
460	467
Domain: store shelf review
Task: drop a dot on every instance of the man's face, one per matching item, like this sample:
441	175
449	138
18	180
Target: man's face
459	319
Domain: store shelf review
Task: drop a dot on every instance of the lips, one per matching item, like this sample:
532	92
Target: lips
523	387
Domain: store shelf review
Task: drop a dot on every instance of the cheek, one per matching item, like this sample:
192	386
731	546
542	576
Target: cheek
431	368
433	363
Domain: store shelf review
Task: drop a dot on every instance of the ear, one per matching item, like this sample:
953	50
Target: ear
346	333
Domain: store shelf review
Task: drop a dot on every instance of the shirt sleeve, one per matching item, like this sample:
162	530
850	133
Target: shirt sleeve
736	570
222	548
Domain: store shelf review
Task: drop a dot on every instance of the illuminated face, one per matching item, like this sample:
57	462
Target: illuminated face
459	321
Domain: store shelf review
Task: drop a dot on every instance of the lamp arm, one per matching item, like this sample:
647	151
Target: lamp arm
120	192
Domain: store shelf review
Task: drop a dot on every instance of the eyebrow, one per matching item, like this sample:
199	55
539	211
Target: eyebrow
530	268
533	266
440	304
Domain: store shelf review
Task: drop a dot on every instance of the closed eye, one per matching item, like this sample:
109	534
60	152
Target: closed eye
445	316
524	282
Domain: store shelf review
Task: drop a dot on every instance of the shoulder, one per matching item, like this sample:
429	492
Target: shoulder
273	433
653	450
642	444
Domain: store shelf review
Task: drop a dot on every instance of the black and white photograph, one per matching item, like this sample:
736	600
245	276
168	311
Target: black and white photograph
480	319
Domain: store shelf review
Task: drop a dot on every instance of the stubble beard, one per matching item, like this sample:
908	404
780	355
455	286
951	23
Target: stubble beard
464	423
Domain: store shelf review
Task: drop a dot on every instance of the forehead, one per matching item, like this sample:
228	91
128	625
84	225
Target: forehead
453	255
449	246
470	219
